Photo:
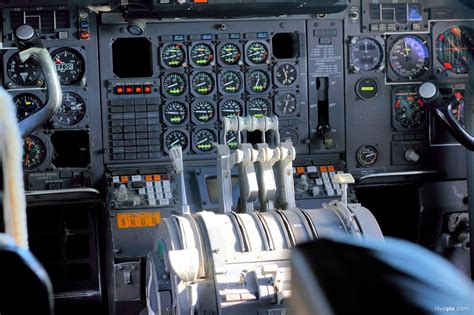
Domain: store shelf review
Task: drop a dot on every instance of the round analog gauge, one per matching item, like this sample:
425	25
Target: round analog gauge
229	54
409	108
173	55
22	73
409	57
176	137
286	74
286	103
257	53
231	139
204	111
72	109
203	139
231	108
202	83
70	65
455	49
26	104
174	84
258	81
34	152
289	134
175	113
367	155
366	54
258	107
202	54
230	82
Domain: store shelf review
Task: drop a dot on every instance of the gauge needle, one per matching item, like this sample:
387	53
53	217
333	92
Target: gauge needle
202	141
230	82
231	139
201	84
172	85
58	61
177	141
28	154
370	155
406	49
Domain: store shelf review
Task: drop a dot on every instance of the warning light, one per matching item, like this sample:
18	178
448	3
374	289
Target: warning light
128	90
147	89
367	88
138	89
119	90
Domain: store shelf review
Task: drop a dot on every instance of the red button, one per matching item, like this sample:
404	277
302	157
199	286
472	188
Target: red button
147	89
138	90
85	35
119	90
128	90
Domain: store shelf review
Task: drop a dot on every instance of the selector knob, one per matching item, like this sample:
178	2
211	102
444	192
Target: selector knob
412	156
302	184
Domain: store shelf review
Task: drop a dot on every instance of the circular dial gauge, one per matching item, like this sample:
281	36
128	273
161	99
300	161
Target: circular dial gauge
258	107
286	74
257	53
174	84
230	82
290	134
202	83
176	137
409	108
26	104
366	54
231	139
175	113
286	103
22	73
34	152
202	54
173	55
455	49
70	65
203	139
258	81
231	108
72	109
409	57
204	111
367	155
229	54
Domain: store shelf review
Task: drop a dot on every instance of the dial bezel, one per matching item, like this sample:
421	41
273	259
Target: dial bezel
185	51
196	131
193	106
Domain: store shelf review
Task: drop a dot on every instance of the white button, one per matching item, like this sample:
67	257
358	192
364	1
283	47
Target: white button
326	181
158	189
339	192
152	202
115	179
149	190
141	191
160	196
335	185
319	182
325	175
151	196
167	189
164	202
330	192
166	183
158	184
328	186
332	174
136	178
312	169
168	196
149	184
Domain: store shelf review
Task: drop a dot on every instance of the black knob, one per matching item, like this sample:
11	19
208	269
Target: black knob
26	37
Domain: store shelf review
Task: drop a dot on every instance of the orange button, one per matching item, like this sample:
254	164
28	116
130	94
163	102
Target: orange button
124	179
138	90
323	168
300	170
147	89
331	168
148	178
128	90
119	90
200	1
156	177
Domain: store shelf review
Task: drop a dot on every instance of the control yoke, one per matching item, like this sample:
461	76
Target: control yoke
31	46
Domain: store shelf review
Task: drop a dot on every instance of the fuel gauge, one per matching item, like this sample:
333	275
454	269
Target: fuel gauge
367	155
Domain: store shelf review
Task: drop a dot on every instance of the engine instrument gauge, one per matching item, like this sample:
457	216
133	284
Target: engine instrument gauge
455	49
202	54
173	55
367	155
230	82
72	109
176	137
231	108
175	113
231	139
290	134
174	84
34	152
366	54
203	111
70	65
257	53
203	139
26	104
258	81
258	107
202	83
22	73
409	57
230	54
286	74
409	109
286	103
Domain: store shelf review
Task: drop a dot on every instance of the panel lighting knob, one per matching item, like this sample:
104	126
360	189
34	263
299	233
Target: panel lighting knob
412	156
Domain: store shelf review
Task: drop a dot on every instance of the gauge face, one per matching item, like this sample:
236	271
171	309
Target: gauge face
230	82
204	111
34	152
26	104
286	103
203	139
290	134
366	55
409	108
231	108
174	84
367	155
258	107
202	83
257	53
231	139
230	54
202	54
286	74
409	57
176	137
455	49
72	109
258	81
22	73
173	55
175	113
70	65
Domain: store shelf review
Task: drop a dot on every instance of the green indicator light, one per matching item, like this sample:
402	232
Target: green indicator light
367	89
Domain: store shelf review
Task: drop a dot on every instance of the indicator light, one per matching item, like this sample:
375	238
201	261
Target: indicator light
147	89
128	90
119	90
138	90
